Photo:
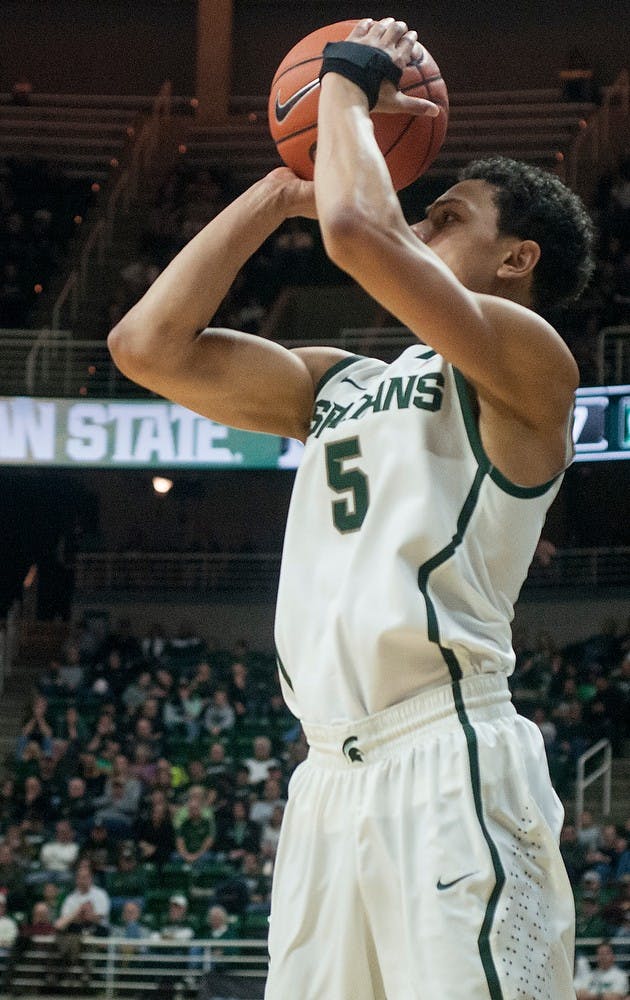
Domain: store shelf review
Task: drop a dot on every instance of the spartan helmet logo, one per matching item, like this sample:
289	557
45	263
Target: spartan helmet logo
351	751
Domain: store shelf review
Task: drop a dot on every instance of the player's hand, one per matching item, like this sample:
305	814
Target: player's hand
297	197
402	46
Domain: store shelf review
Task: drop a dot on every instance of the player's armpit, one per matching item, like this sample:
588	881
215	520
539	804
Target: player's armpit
233	378
319	360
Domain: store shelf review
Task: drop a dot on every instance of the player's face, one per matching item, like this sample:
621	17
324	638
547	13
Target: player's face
461	228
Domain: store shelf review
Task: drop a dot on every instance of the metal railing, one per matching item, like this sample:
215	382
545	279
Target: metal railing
58	365
592	567
254	574
243	575
51	362
119	967
583	780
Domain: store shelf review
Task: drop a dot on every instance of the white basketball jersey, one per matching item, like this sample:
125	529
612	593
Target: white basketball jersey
405	549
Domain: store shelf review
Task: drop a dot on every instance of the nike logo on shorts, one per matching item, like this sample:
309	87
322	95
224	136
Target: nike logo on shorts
447	885
283	109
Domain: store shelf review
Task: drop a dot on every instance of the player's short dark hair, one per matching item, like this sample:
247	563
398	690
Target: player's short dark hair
535	205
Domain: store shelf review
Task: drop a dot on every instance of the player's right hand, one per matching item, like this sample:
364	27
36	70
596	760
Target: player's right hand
297	197
402	46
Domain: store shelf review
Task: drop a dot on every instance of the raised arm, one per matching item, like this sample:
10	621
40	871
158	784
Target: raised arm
234	378
504	349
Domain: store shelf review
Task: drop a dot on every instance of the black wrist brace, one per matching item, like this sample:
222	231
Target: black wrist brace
362	64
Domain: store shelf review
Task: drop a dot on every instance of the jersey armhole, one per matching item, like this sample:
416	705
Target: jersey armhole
334	369
484	463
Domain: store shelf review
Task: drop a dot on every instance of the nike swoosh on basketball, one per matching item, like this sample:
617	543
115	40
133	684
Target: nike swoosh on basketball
447	885
283	109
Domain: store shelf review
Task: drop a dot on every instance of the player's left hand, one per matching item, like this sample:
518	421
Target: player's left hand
297	197
402	46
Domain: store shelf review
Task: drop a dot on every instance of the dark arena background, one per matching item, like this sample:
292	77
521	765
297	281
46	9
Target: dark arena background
140	544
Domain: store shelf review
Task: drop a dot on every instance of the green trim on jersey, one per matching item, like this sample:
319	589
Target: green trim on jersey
456	674
483	941
283	670
505	484
332	371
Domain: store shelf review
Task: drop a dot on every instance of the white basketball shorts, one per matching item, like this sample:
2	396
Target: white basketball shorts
419	858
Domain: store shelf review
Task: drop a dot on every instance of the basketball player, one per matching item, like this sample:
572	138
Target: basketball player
419	853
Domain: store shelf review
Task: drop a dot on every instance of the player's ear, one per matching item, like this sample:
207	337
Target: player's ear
520	259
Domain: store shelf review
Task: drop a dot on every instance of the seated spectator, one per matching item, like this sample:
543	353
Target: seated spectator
155	834
603	858
220	928
34	809
59	855
71	672
218	766
186	645
128	881
240	835
84	911
241	693
195	837
49	682
145	731
123	640
262	809
153	644
219	717
92	775
77	807
99	850
118	806
105	730
605	982
191	794
617	912
573	853
177	925
8	927
589	920
36	727
202	683
71	727
7	802
262	762
131	926
271	832
52	896
87	906
12	877
547	728
41	924
183	708
258	883
163	781
589	832
143	767
137	692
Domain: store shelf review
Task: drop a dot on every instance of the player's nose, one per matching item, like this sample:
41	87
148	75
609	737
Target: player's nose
422	230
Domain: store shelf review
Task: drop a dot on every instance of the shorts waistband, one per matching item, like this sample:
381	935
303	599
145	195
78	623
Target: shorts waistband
483	696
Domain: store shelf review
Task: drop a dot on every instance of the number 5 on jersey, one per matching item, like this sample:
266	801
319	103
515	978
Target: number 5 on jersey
348	513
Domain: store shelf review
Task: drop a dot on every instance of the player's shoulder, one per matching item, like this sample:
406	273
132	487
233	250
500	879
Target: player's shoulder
526	331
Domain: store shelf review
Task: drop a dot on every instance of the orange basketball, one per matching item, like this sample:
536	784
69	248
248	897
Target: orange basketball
409	144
